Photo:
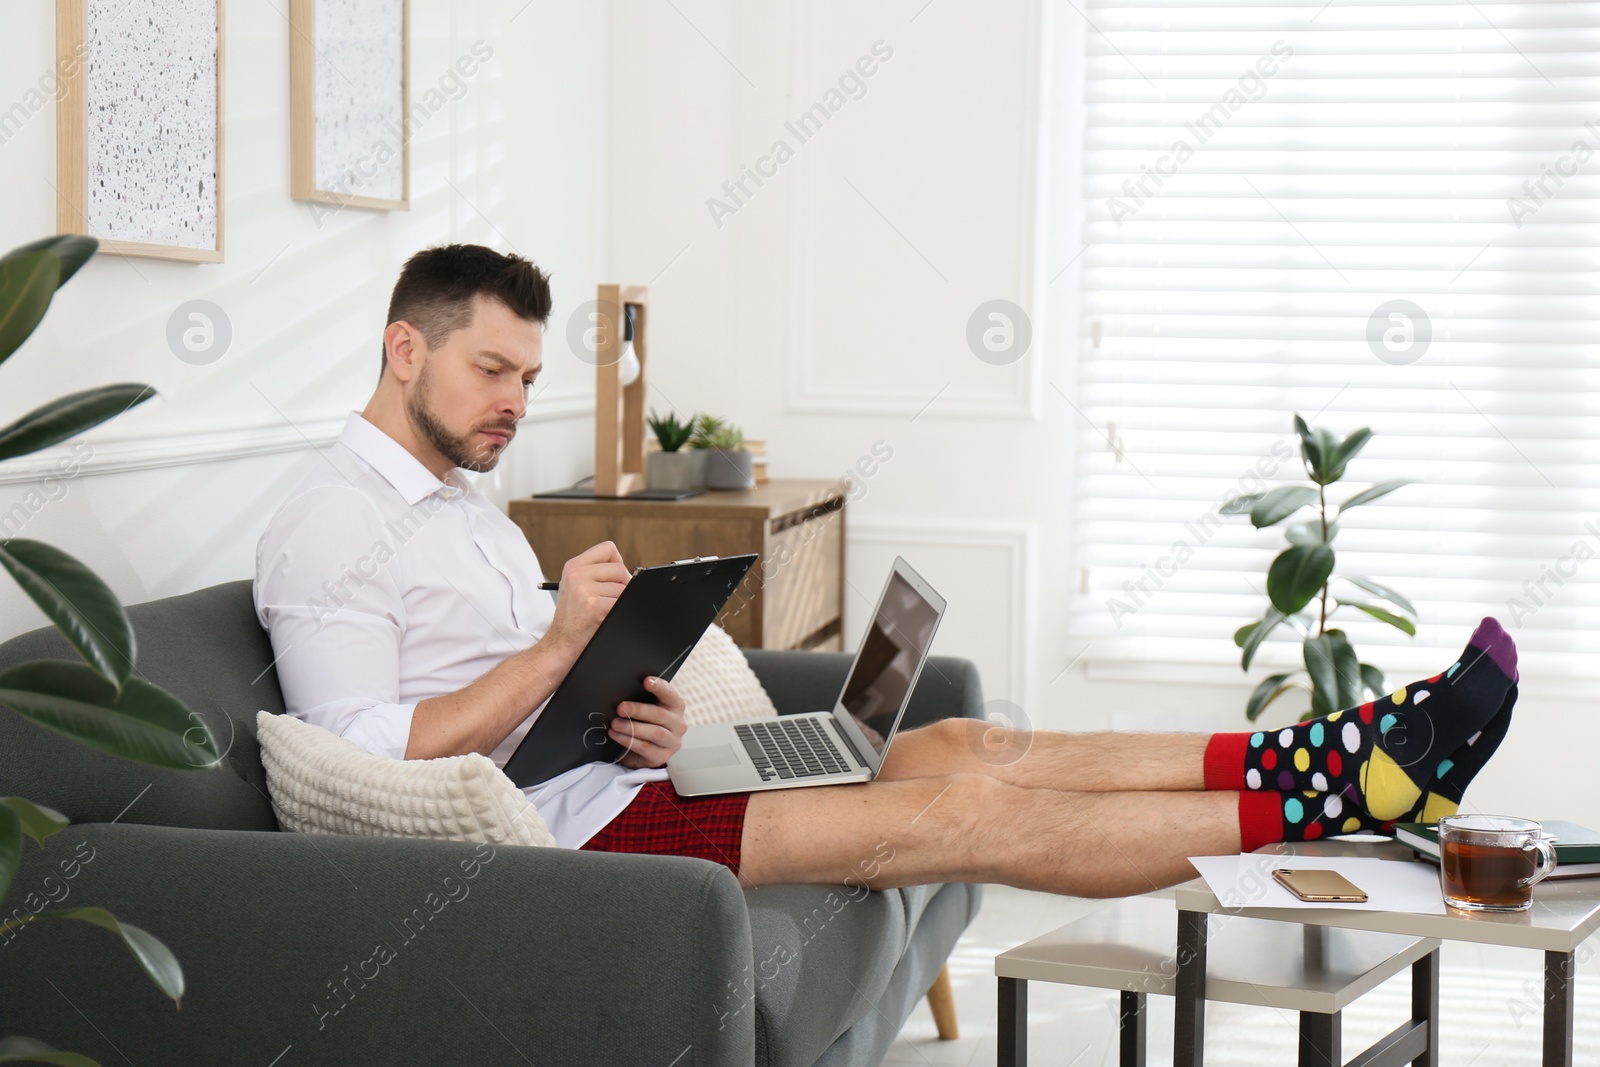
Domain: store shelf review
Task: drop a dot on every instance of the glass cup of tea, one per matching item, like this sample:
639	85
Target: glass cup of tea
1492	862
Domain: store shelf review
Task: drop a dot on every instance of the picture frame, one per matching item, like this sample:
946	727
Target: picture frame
348	145
139	147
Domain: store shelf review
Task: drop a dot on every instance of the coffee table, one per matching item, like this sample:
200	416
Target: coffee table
1564	913
1127	946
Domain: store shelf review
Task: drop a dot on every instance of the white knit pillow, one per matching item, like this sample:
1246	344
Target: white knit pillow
717	684
322	784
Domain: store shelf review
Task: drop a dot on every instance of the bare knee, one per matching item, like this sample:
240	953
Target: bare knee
963	823
946	733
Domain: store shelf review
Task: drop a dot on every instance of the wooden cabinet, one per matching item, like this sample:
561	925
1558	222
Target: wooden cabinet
793	597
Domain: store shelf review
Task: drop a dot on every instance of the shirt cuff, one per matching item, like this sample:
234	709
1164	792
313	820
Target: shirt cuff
383	729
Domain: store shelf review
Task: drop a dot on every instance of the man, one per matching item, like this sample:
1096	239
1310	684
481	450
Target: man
405	615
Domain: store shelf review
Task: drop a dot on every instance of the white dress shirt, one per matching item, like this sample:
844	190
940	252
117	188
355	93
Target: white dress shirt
382	586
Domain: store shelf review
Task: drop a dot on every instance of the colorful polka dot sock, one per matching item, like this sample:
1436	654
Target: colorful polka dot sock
1453	775
1364	768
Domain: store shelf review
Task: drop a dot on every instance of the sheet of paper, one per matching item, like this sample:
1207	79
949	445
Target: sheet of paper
1245	881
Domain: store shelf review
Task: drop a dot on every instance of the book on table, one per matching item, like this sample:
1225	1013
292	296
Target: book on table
1577	847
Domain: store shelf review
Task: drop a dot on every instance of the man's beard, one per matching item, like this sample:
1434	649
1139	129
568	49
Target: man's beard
457	449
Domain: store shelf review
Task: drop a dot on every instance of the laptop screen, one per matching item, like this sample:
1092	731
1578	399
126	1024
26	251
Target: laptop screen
890	658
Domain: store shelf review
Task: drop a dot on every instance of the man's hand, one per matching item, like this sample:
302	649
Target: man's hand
650	732
591	581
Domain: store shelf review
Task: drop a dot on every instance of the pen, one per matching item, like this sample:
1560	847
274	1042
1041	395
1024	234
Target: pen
550	586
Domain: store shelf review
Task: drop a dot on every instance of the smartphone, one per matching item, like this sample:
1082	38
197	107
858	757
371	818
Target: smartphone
1320	886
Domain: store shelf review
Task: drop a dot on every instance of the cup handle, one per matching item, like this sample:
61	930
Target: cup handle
1547	861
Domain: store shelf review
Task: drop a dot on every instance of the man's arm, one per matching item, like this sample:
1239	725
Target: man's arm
478	717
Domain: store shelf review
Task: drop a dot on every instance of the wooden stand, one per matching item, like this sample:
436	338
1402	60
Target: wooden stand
619	411
792	598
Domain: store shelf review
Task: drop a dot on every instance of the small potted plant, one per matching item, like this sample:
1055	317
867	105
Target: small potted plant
670	468
728	464
1300	582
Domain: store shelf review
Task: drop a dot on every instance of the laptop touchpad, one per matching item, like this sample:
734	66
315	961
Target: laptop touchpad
694	759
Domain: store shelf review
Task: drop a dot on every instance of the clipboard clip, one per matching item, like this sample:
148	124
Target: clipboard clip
679	562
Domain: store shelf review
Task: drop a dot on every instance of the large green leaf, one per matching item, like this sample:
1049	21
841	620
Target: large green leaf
1346	451
71	251
156	959
1372	680
1298	575
1382	591
1399	622
1240	504
1250	636
1269	690
1310	450
1327	449
27	1050
83	607
69	416
144	722
1335	671
1310	532
10	848
1278	504
38	821
1347	668
27	283
1370	494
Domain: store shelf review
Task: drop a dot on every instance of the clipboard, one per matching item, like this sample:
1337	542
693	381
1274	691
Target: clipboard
651	629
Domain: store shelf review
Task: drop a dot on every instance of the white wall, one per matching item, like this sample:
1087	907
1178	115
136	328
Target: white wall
515	161
829	309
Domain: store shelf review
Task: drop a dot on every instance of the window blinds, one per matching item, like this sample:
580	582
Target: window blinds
1378	216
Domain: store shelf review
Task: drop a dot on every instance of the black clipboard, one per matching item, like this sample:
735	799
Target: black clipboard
650	630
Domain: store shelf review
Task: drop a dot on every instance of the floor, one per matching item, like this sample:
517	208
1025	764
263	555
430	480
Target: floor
1490	1006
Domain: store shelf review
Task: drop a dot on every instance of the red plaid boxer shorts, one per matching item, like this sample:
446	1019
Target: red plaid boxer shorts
661	822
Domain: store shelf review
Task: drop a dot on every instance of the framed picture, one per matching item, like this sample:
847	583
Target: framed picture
349	92
139	126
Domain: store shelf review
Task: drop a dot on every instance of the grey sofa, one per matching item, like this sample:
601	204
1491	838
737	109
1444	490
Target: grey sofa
505	955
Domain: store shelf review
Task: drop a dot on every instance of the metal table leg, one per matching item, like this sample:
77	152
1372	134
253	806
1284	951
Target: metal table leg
1189	1000
1013	1051
1321	1043
1425	1005
1133	1031
1558	1005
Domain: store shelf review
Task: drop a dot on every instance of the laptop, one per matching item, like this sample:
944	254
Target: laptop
845	744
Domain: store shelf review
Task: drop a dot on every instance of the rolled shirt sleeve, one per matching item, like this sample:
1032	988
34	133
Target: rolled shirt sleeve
328	593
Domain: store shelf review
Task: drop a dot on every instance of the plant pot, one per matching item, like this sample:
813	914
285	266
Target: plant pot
697	475
669	470
735	469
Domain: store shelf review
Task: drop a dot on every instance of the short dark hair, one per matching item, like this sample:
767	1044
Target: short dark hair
436	287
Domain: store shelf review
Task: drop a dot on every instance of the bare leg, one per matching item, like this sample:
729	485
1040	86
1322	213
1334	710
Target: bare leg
1042	759
974	828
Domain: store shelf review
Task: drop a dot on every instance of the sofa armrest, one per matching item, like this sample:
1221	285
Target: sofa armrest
811	681
356	950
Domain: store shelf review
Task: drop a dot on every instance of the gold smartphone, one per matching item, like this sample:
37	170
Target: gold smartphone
1320	886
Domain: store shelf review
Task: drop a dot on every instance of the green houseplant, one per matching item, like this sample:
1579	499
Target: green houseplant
1301	583
729	465
672	467
100	702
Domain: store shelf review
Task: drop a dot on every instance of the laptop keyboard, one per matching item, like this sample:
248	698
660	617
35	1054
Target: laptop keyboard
791	748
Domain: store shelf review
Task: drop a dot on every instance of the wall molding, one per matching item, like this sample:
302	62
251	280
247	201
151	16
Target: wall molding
801	394
116	455
1017	539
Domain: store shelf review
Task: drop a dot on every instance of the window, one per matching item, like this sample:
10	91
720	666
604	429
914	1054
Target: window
1378	216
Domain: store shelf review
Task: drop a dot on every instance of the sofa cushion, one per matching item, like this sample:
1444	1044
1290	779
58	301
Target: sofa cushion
205	647
322	784
717	684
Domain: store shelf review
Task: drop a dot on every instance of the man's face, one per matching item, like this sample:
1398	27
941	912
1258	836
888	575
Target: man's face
473	388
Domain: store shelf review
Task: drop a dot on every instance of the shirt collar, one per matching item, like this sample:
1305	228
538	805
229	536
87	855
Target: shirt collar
400	468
